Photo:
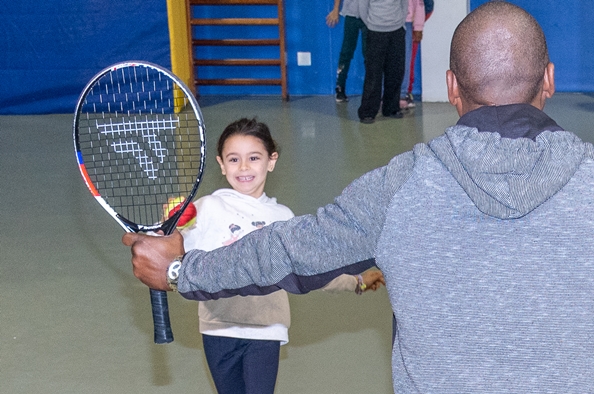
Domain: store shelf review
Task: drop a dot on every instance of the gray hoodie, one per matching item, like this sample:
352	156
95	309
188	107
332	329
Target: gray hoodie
483	241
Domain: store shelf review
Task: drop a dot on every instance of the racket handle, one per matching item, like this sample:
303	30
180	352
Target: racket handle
162	325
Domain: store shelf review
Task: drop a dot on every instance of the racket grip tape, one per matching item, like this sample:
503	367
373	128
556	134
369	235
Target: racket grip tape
162	325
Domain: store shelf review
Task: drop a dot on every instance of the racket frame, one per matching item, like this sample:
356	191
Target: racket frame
163	333
168	225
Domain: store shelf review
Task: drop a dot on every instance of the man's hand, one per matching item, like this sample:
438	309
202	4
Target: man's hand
151	256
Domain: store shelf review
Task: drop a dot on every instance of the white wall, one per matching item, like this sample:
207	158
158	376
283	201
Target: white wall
435	50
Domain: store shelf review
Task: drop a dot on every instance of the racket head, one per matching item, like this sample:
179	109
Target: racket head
140	143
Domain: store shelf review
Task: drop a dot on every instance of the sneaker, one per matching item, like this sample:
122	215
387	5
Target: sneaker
411	101
396	115
407	102
340	96
367	120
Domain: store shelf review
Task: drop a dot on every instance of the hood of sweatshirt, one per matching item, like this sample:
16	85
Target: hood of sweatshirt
509	177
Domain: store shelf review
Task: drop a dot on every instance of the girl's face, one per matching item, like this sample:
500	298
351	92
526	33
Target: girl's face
246	163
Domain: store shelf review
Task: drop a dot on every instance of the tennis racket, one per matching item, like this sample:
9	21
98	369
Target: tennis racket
140	143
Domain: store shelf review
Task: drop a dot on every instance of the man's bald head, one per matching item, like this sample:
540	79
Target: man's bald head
499	55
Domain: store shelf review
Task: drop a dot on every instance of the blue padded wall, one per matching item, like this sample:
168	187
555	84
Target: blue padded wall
51	48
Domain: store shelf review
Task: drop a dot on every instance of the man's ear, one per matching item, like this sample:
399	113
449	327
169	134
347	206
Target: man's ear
454	91
548	86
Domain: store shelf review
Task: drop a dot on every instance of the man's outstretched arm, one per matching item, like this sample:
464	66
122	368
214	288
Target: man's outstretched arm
298	255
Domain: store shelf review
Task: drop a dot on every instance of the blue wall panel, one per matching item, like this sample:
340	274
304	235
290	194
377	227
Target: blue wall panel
50	49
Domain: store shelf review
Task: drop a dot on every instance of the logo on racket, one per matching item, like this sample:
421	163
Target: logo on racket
141	140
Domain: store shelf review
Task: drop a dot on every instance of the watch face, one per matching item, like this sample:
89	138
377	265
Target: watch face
173	270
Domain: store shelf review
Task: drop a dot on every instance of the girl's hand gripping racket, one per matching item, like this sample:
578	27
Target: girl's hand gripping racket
140	143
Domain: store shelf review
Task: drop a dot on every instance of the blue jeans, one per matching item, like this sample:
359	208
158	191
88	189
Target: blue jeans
242	366
408	38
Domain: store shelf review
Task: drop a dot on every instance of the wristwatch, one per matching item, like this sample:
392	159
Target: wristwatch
173	272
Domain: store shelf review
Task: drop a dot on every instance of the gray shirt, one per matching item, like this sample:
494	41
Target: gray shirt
383	15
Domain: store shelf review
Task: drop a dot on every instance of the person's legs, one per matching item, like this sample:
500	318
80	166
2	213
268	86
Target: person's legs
260	366
393	73
347	51
413	60
224	357
363	30
377	43
408	38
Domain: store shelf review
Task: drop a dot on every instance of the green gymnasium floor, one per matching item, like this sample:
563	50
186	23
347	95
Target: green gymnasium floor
73	319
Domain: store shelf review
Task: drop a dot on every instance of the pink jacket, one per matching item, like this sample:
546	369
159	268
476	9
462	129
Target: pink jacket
416	14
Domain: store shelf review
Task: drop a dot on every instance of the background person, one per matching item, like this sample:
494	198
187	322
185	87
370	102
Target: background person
384	58
353	25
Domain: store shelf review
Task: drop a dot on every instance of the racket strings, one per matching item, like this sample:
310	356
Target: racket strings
139	142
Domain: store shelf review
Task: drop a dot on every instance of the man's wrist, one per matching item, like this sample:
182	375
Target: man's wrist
173	272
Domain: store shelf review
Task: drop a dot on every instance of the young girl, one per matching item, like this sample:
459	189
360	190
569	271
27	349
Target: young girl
242	335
